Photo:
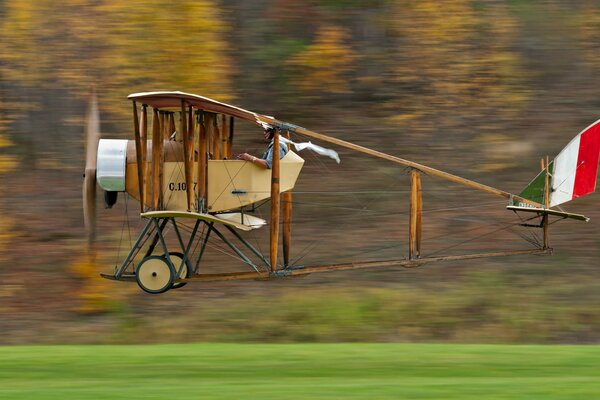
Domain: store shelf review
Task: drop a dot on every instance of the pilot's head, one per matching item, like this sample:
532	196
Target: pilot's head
269	133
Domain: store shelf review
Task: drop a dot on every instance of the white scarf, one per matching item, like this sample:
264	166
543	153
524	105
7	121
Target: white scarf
316	148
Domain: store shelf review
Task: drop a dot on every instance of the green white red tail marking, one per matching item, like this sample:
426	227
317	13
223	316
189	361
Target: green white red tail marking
573	172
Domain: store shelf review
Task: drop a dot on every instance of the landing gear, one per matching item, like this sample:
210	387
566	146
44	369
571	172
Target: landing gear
176	260
160	269
154	274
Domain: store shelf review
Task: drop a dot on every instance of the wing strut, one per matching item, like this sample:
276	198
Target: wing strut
202	162
188	153
275	201
416	215
157	151
286	205
545	219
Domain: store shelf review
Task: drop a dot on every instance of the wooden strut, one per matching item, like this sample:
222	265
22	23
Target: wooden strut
187	155
545	218
209	135
138	154
416	211
230	139
401	161
166	126
275	200
157	150
144	139
207	129
191	129
224	138
286	208
163	125
172	124
202	163
216	141
419	215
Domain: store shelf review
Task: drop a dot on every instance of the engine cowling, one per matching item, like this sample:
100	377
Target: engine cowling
111	164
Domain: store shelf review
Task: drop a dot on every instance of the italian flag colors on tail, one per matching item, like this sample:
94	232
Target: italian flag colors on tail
573	172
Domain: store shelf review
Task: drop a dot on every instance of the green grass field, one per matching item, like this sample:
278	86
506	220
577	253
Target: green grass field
300	371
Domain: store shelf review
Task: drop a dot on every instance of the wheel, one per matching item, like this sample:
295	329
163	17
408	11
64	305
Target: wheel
154	275
176	259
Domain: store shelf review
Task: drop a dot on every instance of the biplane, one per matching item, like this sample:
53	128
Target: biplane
181	168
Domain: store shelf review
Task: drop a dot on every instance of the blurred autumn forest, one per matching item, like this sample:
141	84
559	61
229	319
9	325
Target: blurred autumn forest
482	89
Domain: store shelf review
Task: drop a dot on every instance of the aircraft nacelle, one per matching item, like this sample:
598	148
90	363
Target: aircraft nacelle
231	184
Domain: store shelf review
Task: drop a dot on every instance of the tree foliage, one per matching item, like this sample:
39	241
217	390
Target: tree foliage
452	57
323	66
120	47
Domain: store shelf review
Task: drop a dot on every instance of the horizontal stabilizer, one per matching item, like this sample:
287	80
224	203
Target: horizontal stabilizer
557	213
572	173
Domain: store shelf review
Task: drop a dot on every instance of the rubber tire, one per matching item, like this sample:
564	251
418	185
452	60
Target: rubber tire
186	271
154	275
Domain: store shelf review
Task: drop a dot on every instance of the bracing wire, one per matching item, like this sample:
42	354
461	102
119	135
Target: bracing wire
126	220
220	249
329	171
477	237
531	240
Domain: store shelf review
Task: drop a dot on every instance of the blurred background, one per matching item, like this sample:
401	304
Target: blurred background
481	89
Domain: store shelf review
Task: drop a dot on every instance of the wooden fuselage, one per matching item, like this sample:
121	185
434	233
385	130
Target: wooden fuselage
231	184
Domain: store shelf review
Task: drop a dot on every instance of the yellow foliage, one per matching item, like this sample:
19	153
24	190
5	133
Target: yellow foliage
92	294
121	47
588	23
325	63
7	115
456	57
402	118
8	163
5	141
7	225
445	21
52	162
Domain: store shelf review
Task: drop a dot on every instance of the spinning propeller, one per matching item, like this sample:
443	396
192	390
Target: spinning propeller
92	133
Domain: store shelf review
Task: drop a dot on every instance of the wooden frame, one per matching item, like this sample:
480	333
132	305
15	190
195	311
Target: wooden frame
214	136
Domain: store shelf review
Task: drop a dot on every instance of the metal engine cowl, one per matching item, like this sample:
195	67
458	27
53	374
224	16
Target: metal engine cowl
111	164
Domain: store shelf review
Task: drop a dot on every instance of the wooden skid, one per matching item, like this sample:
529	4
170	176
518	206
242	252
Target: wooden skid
110	277
263	275
411	263
349	266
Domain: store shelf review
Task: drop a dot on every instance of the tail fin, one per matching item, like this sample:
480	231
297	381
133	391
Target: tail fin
572	173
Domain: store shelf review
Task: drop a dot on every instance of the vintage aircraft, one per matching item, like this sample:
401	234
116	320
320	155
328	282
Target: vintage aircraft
187	172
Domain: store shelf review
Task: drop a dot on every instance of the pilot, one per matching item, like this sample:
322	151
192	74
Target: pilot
266	161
